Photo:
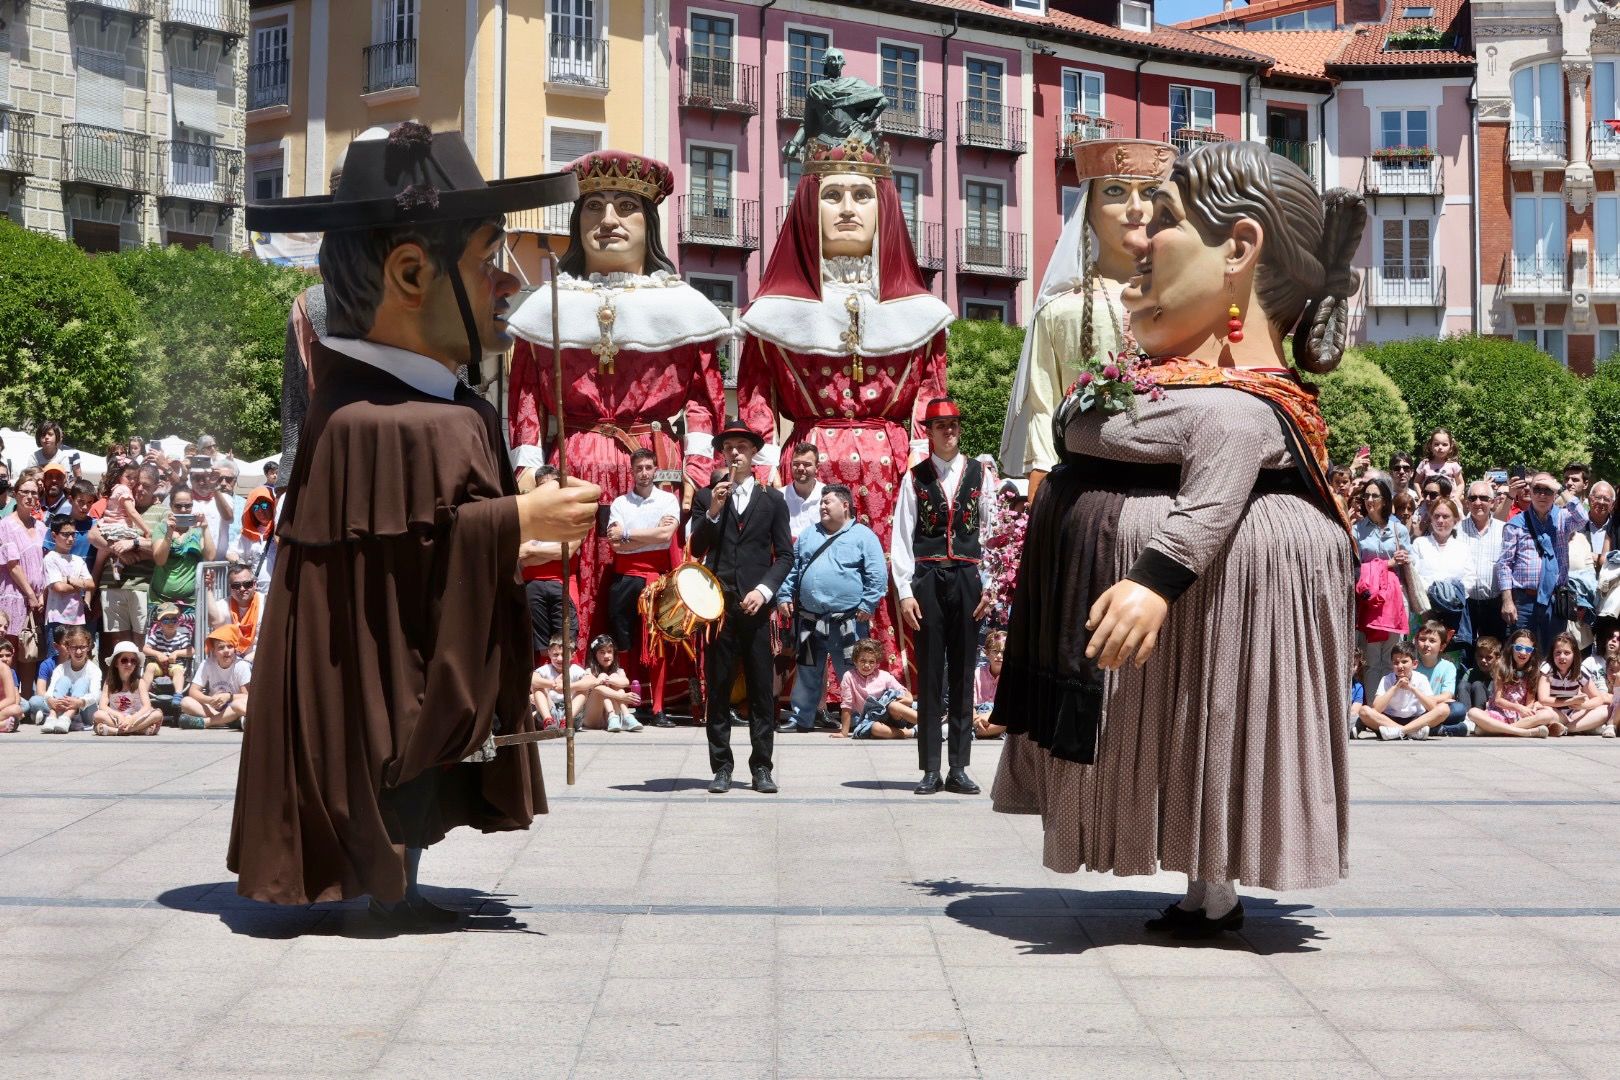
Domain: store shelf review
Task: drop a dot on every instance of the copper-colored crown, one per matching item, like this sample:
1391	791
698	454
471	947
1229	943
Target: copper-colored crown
850	156
616	170
1131	159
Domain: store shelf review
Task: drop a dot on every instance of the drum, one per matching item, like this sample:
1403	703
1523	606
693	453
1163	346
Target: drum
683	604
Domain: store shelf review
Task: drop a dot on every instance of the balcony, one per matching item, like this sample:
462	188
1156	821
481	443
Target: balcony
791	90
1077	128
1535	277
913	115
104	157
990	126
227	18
1538	146
199	173
1407	174
718	221
541	220
1397	285
268	84
1606	274
390	65
577	64
1188	139
720	86
1300	153
991	253
17	149
104	10
928	243
1606	143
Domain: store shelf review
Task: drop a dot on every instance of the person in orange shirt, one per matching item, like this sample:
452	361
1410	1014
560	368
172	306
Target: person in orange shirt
246	605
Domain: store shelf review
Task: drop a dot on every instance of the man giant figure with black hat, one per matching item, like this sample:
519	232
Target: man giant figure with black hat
939	524
395	620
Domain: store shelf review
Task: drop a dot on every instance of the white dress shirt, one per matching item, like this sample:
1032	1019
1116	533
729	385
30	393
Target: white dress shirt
902	560
639	518
740	494
1437	562
803	512
420	373
1484	546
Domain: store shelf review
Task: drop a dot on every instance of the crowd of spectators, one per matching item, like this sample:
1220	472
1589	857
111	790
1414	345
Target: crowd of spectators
1484	606
100	584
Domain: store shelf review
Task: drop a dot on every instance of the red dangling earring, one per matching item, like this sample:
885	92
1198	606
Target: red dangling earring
1234	317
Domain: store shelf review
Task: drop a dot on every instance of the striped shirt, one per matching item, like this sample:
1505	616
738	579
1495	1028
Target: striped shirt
168	643
1562	687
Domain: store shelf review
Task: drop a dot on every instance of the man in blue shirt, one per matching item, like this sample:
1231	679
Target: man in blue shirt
1534	560
839	577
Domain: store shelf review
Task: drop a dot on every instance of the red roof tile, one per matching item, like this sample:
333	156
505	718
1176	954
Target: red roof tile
1366	49
1263	10
1301	53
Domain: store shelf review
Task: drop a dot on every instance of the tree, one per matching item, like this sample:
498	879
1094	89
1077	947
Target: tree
1363	407
1603	398
983	360
219	324
71	339
1517	405
1423	370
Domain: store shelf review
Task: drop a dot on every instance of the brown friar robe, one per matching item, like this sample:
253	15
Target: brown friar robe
395	635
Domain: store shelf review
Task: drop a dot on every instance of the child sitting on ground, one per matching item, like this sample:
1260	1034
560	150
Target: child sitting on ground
1474	687
1513	709
609	703
1404	707
872	703
1563	689
1432	637
11	704
984	687
1595	673
125	707
546	689
75	689
218	694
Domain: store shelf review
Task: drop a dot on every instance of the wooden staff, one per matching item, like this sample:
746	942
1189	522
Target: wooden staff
570	723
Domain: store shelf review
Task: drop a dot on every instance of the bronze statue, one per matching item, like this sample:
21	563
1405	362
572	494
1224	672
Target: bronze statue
837	109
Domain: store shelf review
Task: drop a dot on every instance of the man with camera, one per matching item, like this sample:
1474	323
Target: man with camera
213	502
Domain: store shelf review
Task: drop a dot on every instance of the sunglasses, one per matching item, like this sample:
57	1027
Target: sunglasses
1543	489
1524	648
1430	496
126	659
1480	498
241	585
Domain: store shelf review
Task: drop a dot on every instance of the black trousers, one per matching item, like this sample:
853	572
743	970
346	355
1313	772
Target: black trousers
1485	616
545	611
624	591
947	655
746	640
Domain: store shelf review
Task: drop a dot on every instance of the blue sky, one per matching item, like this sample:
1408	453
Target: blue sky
1169	11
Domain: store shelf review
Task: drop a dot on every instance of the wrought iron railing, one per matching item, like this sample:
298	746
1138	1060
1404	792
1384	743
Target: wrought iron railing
1537	142
543	220
139	9
268	84
17	149
913	115
1606	141
791	89
1536	275
1396	284
578	61
719	221
106	157
928	242
1606	273
390	65
722	85
227	17
200	172
1403	176
990	125
1301	153
1188	139
1077	128
991	252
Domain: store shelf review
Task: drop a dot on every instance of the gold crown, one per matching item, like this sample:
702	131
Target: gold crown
850	156
613	171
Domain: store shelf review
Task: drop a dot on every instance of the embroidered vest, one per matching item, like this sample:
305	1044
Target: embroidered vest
946	532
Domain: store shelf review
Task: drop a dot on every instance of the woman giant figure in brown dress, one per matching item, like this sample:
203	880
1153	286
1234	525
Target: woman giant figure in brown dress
1178	667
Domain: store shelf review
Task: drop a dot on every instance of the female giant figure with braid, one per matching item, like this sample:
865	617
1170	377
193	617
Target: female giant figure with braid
1178	666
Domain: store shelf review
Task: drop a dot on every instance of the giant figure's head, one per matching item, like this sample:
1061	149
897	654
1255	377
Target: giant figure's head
849	213
614	227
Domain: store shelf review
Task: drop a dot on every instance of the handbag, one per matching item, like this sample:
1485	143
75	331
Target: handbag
28	642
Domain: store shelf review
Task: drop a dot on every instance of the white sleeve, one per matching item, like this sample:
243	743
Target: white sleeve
770	454
617	512
700	443
53	570
902	563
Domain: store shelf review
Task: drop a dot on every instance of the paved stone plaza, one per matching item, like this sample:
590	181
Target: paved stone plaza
842	929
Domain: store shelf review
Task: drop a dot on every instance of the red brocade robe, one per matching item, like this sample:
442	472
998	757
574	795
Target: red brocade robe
663	339
862	412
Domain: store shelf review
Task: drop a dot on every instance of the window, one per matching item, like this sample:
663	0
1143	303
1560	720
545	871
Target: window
710	196
983	242
1549	340
1403	127
1134	15
575	50
1192	107
1538	103
396	21
1606	242
1423	11
898	66
984	78
805	48
711	44
268	70
1538	240
907	184
1317	18
568	145
1406	255
1083	93
1070	200
1605	92
396	27
988	310
268	179
794	170
1608	344
98	88
5	66
96	237
191	160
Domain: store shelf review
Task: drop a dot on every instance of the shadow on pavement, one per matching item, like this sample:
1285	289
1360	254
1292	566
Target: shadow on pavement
881	785
347	918
1052	921
665	784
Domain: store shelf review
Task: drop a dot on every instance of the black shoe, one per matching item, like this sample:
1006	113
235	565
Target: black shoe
960	782
429	912
721	782
1173	917
662	720
788	727
827	723
928	785
736	720
763	782
1202	927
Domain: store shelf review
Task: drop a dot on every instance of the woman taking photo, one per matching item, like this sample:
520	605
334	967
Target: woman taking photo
1178	664
184	544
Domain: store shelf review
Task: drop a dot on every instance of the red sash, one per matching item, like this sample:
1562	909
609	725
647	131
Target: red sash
648	565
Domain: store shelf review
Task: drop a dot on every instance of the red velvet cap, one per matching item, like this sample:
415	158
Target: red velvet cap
941	409
619	170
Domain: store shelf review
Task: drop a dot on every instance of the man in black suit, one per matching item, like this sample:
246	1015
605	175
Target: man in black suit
742	537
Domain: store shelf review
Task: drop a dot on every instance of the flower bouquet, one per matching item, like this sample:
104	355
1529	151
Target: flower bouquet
1003	548
1112	385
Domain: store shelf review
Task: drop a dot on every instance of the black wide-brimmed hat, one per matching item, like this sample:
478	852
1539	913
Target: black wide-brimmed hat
412	177
735	429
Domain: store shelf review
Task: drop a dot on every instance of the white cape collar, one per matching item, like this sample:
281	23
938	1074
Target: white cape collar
643	312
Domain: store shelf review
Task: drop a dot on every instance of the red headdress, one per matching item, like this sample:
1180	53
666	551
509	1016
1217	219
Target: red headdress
618	170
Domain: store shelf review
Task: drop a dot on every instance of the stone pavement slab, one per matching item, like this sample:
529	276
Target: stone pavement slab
842	929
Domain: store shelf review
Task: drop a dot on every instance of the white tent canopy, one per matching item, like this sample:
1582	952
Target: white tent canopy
17	449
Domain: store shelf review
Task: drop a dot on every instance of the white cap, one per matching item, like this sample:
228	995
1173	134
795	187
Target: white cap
124	648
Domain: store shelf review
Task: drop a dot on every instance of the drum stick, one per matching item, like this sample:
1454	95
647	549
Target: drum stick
562	479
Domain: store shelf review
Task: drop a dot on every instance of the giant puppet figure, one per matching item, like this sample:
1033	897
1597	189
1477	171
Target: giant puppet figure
639	356
844	342
1077	311
395	642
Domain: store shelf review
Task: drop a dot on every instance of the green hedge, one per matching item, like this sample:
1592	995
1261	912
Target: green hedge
1362	406
1422	370
983	361
1516	404
1603	399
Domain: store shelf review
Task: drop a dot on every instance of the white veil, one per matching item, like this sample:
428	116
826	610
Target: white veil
1064	274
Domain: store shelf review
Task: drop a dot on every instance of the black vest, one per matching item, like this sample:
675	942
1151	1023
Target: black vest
944	532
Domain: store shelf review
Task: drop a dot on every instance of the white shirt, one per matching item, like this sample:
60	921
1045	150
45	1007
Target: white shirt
740	494
213	679
1441	562
420	373
902	561
1483	546
802	512
219	523
1404	704
66	456
639	517
63	607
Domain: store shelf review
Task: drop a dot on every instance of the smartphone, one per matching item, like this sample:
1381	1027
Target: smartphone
1364	450
202	463
185	521
1497	476
1517	472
